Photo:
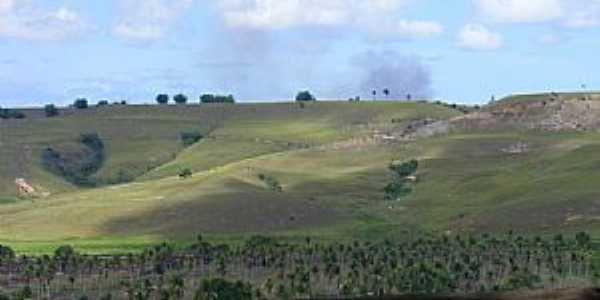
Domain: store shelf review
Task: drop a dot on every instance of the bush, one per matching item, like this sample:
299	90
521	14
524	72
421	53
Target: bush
406	169
11	114
162	99
51	110
92	140
102	103
123	176
77	168
80	103
191	137
399	188
271	183
222	289
210	98
185	173
64	252
180	99
305	96
6	252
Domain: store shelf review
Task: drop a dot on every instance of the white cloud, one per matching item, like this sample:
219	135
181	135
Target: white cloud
278	14
25	21
477	37
6	6
520	11
148	20
417	29
376	18
585	14
567	13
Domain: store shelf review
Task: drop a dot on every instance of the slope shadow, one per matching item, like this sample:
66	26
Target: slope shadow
250	209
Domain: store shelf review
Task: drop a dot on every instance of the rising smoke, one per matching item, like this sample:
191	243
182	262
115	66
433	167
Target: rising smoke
400	74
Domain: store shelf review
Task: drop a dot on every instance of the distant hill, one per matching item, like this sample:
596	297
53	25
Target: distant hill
516	164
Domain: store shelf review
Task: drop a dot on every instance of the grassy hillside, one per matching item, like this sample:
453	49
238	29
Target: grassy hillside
140	138
293	144
324	156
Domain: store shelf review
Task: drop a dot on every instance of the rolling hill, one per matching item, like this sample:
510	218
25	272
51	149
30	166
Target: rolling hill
496	169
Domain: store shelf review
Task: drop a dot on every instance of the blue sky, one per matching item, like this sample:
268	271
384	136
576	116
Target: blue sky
53	51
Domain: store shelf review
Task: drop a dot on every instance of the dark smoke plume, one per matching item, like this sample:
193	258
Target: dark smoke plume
402	75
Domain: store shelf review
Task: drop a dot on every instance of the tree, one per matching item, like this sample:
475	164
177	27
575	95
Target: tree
81	103
386	92
207	98
102	103
180	99
408	97
210	98
50	110
305	96
374	95
162	99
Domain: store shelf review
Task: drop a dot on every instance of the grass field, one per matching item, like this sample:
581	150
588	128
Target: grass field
467	181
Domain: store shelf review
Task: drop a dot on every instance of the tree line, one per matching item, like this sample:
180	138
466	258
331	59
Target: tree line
270	268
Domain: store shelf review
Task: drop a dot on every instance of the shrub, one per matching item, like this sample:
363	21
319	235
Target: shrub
271	183
180	99
6	252
222	289
189	138
123	176
92	140
51	110
399	188
210	98
102	103
405	169
185	173
64	252
162	99
305	96
77	168
80	103
11	114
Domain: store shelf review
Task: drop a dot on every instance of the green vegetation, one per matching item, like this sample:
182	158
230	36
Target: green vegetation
401	178
210	98
51	110
189	138
270	182
77	167
11	114
102	103
81	103
162	99
330	155
269	268
185	173
180	99
305	96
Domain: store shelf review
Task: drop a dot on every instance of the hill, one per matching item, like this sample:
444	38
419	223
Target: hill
323	150
488	171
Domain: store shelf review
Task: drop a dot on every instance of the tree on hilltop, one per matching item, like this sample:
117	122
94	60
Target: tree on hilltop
162	99
305	96
180	99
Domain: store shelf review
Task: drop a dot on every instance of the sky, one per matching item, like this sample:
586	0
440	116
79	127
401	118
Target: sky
464	51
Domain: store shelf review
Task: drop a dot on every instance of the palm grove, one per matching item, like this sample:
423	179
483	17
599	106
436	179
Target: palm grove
267	268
